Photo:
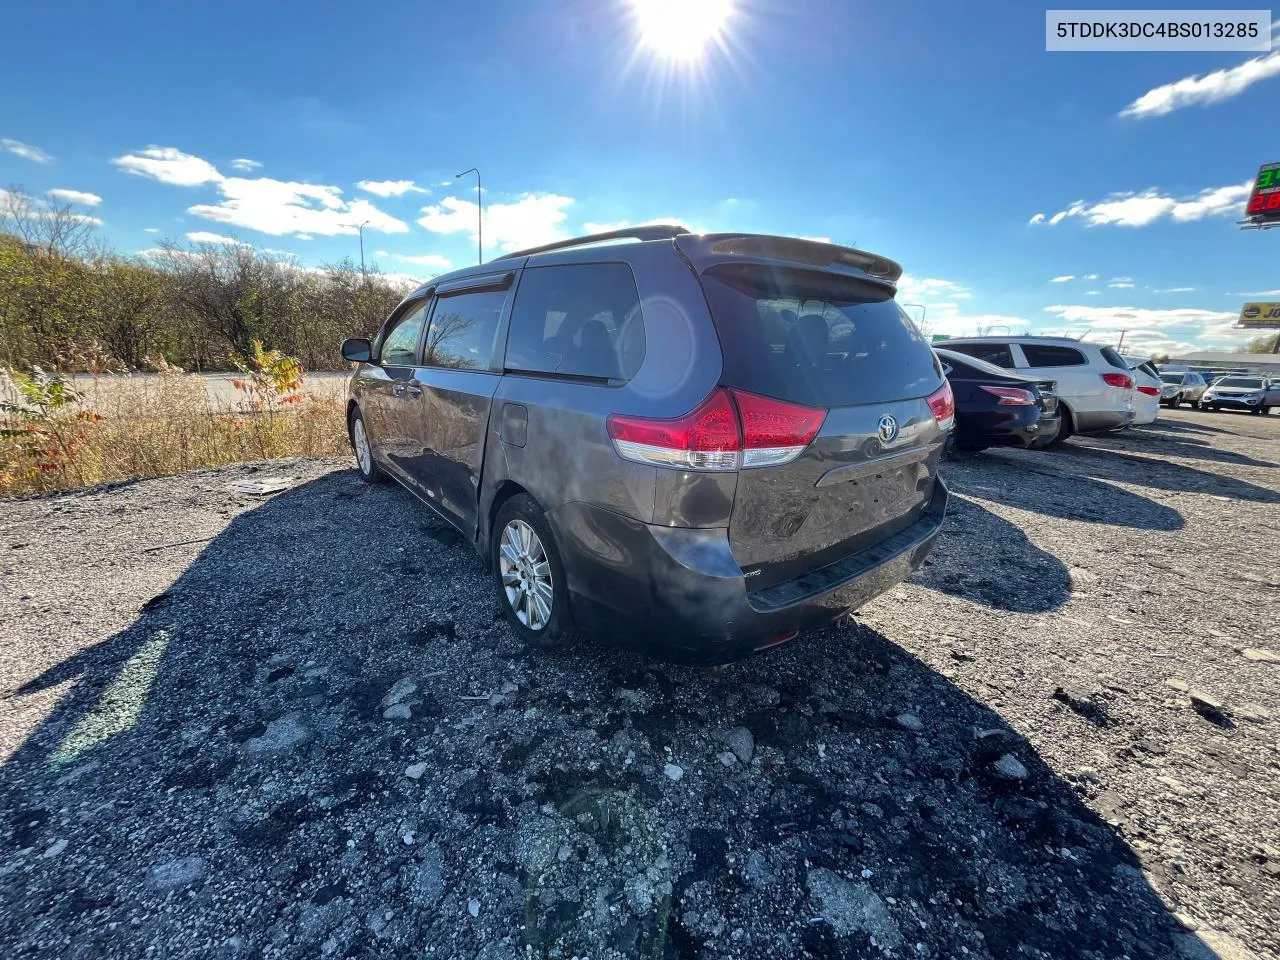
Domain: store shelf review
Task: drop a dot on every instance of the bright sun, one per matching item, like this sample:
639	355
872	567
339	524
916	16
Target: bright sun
680	29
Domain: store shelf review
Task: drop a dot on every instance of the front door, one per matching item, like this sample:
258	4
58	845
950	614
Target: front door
452	390
383	388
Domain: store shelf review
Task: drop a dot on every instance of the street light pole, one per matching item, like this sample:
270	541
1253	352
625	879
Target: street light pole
360	230
479	214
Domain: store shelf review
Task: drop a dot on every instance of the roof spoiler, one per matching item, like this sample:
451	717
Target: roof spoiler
812	252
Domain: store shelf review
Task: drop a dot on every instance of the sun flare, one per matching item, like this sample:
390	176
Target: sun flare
681	29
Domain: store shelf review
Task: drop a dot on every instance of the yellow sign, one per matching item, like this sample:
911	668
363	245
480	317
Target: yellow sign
1260	316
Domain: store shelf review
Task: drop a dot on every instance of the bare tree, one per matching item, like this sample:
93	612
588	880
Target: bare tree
49	227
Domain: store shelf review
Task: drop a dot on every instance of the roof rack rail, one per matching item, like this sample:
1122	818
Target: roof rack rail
661	231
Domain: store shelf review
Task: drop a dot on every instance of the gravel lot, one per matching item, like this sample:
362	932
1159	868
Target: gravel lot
298	727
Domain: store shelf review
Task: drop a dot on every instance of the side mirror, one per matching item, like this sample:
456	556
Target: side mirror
357	350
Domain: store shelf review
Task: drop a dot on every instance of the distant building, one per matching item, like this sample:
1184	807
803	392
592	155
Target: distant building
1267	364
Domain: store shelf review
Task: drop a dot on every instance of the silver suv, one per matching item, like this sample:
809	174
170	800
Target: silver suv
1178	388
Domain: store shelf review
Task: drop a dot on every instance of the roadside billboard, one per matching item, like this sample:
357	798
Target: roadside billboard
1260	316
1264	199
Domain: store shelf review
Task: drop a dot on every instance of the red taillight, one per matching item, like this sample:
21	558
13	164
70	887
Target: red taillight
709	438
1118	380
943	404
772	431
721	434
1012	396
1150	391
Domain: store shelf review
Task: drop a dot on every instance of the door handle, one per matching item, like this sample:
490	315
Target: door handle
413	390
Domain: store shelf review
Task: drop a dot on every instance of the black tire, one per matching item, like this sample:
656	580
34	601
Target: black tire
369	470
1266	411
1195	404
558	631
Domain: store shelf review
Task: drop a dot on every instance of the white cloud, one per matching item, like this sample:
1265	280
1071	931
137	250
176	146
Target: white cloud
1064	278
433	260
25	150
1181	290
1204	90
245	165
1257	293
532	220
1038	218
204	236
303	236
390	188
1090	276
1093	293
278	207
1120	286
446	183
76	196
1121	279
169	165
279	253
150	229
923	289
1148	330
1140	209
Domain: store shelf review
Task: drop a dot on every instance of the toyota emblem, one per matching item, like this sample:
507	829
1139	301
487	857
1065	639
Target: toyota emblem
887	429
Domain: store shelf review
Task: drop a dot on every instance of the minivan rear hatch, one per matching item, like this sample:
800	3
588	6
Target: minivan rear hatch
832	340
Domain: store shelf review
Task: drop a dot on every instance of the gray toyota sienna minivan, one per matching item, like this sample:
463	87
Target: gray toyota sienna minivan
697	445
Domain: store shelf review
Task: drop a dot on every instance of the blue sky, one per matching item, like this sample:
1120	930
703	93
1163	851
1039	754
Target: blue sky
939	134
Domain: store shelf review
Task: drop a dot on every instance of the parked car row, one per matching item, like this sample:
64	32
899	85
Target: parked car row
1075	386
1254	394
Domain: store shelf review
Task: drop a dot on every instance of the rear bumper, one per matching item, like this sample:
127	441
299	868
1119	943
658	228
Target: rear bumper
1095	421
676	593
1010	427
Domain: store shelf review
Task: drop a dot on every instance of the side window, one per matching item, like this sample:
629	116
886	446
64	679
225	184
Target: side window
400	346
997	353
579	320
462	329
1043	355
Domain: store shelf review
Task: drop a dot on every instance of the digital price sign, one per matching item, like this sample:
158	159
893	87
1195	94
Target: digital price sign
1264	201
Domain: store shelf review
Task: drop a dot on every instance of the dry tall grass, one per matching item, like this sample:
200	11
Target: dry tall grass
155	426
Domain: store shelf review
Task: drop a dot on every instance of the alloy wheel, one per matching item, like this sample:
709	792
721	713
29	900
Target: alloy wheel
526	574
360	442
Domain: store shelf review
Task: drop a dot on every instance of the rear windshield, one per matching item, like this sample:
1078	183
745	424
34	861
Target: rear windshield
1113	358
1171	377
816	338
973	364
1240	382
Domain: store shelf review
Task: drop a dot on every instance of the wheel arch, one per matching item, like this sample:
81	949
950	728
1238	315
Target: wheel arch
506	490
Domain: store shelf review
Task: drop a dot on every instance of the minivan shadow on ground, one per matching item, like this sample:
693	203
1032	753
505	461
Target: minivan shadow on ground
322	740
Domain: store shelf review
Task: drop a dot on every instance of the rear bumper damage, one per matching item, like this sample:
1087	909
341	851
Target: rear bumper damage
678	594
